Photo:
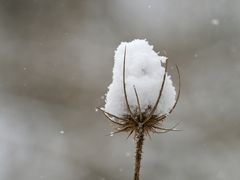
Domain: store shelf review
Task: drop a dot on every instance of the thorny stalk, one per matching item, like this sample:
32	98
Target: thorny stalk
138	155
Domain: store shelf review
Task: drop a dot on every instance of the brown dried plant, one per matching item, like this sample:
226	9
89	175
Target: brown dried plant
141	123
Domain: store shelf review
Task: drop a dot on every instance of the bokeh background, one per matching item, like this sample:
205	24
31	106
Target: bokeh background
56	59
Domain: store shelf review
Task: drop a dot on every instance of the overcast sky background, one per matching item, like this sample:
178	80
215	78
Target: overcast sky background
56	59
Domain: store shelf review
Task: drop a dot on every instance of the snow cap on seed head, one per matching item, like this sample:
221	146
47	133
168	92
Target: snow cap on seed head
144	70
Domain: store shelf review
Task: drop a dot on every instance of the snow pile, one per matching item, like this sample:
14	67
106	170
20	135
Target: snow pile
145	71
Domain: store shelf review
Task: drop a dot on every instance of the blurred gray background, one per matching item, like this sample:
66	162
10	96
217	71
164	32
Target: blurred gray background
56	59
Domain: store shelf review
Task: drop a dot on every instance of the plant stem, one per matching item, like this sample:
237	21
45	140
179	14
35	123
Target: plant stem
138	155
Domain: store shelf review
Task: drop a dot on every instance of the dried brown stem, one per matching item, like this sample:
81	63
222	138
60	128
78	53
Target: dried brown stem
138	157
138	101
124	84
160	94
109	114
179	90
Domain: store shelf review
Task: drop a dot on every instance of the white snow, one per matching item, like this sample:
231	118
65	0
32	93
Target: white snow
144	70
196	55
128	154
215	22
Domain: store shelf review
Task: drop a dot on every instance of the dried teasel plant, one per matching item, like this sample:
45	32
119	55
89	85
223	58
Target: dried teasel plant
141	121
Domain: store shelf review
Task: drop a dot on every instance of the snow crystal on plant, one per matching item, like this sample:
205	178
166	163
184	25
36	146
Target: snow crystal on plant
144	70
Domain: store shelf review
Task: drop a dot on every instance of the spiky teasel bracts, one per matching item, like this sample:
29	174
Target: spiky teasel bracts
141	121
